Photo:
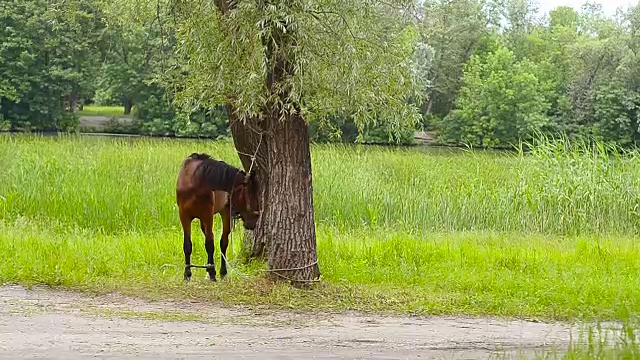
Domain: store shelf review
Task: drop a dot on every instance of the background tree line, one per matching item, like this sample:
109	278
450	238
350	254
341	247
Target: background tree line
494	73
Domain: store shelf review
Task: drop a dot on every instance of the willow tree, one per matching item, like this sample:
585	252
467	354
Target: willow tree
275	65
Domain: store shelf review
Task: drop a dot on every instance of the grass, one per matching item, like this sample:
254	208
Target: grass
164	315
472	274
549	235
602	341
101	111
128	185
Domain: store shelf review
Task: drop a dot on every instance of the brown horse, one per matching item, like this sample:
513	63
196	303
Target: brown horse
207	187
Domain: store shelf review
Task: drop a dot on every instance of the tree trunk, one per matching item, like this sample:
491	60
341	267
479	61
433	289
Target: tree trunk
427	106
288	225
246	137
73	103
286	229
128	105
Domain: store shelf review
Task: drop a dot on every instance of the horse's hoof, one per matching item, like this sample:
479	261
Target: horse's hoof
211	277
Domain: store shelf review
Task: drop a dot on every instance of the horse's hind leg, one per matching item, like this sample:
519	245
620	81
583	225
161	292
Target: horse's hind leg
187	246
206	224
224	240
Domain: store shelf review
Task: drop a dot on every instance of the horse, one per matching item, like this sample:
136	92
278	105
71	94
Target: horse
206	187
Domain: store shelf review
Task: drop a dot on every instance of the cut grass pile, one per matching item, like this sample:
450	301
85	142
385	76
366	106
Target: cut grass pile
548	235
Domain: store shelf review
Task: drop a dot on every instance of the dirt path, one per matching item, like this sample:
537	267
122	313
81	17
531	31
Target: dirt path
41	323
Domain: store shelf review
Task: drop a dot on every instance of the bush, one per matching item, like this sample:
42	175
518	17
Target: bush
157	115
501	102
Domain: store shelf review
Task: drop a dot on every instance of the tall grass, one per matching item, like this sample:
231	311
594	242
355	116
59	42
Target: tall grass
128	185
619	340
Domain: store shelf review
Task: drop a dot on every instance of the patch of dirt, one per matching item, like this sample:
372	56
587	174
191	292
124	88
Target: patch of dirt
54	324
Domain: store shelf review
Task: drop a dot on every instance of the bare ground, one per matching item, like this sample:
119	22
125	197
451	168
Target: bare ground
55	324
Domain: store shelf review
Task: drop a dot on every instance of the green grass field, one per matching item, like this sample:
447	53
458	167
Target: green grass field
547	235
101	111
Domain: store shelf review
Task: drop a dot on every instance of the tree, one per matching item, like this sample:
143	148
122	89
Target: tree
501	102
630	69
76	26
520	16
132	58
47	61
563	17
277	64
616	113
597	54
454	29
550	48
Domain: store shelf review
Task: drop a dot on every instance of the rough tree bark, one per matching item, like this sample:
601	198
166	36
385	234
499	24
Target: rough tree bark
286	230
288	225
246	143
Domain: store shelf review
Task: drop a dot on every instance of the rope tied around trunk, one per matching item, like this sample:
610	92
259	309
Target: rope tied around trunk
275	271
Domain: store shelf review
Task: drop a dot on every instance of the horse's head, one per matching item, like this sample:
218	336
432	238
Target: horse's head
244	199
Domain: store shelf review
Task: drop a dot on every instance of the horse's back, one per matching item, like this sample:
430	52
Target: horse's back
194	196
186	175
188	186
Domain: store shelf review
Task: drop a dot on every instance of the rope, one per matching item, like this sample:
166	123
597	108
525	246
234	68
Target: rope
275	271
292	269
200	266
296	280
231	267
255	154
253	158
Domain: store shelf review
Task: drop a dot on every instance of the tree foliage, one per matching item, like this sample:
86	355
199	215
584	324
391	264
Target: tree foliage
47	61
581	69
501	99
359	69
349	57
454	30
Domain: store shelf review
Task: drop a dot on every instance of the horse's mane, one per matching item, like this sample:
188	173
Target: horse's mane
217	173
